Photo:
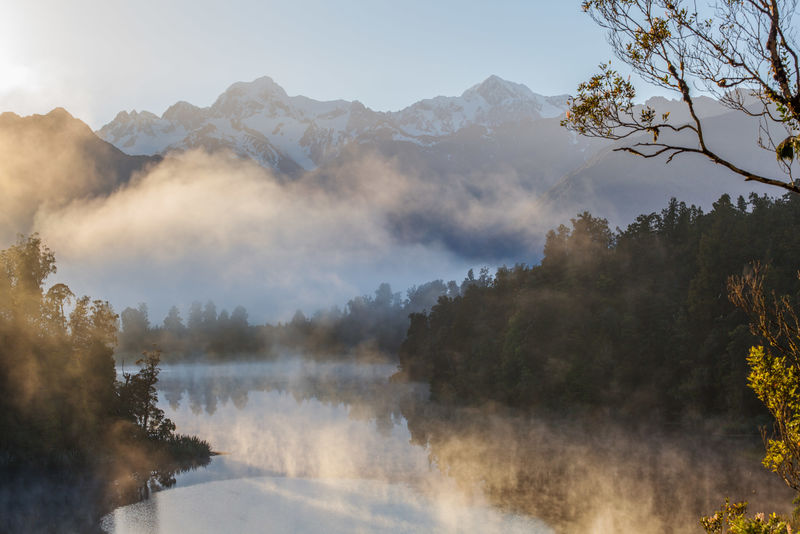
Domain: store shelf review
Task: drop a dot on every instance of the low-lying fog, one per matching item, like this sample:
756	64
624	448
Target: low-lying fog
306	447
340	447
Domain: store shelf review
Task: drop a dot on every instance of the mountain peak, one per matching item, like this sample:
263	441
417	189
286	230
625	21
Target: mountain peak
494	79
495	90
245	97
265	83
60	113
258	119
183	113
263	88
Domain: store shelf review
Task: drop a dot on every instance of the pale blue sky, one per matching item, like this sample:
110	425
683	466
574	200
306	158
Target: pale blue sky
99	57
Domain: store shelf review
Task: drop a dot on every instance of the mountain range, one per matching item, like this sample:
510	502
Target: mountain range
295	134
496	138
492	129
279	202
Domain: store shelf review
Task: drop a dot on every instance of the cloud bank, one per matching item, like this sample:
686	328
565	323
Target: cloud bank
200	225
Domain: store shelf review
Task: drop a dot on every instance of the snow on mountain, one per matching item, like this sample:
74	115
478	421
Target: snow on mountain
294	133
490	104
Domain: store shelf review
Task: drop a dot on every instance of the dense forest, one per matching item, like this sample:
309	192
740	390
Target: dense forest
63	411
368	326
634	323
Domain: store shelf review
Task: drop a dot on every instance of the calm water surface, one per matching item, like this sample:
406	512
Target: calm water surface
307	448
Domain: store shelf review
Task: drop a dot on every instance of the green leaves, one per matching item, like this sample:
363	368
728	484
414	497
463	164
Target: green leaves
788	149
732	518
775	380
649	38
670	45
600	102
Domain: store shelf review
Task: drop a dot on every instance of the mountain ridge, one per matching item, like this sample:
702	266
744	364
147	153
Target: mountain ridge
258	119
462	147
53	159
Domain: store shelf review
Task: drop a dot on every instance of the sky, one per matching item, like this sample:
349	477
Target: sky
198	227
96	58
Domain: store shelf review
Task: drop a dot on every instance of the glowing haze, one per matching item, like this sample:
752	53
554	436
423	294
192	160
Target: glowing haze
201	226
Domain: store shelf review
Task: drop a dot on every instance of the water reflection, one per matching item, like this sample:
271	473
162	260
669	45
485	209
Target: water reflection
306	445
307	505
342	446
52	502
299	419
67	499
364	389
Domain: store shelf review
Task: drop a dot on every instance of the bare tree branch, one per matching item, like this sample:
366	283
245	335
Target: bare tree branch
747	49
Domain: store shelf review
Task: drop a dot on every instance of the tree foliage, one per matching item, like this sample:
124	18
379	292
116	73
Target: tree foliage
368	325
61	401
742	51
732	519
139	398
56	369
774	369
634	323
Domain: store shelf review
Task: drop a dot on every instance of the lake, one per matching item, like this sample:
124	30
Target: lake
306	447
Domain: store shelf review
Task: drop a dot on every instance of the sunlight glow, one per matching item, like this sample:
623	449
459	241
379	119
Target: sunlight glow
14	76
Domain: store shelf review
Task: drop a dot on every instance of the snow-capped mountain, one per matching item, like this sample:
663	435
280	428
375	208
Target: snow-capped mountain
497	132
490	104
294	133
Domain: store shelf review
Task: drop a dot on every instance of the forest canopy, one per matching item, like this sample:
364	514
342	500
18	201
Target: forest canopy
62	403
634	322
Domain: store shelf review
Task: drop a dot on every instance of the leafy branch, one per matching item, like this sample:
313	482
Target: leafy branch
745	54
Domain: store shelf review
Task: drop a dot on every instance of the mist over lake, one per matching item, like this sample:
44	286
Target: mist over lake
422	267
307	447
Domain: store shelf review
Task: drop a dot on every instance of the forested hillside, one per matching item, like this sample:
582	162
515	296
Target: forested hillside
635	323
64	415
